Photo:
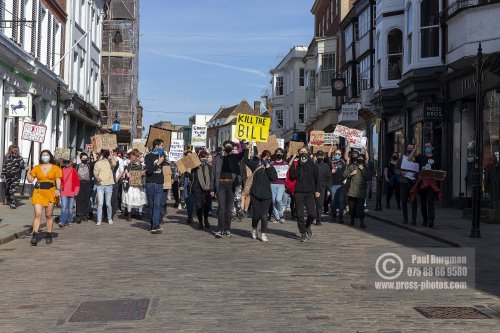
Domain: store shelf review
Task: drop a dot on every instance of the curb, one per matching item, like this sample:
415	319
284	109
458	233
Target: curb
19	234
412	229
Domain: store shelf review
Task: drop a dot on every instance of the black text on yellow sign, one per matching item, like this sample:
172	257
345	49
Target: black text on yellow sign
252	128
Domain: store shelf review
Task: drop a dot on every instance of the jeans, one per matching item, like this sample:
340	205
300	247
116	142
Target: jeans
104	191
309	201
190	202
338	197
225	193
154	193
278	191
286	200
393	188
66	210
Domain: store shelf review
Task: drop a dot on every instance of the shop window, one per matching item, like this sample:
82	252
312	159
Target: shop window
429	28
394	54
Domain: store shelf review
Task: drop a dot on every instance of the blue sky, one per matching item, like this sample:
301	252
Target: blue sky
196	55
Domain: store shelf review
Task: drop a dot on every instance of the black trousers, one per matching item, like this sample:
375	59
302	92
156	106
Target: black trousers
83	198
427	197
175	192
260	212
202	201
320	203
308	201
293	210
405	197
395	188
356	208
225	194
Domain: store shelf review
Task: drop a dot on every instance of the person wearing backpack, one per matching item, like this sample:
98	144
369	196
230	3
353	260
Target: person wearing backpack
259	184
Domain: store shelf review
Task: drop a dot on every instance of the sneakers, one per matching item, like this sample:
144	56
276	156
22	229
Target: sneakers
110	221
98	223
219	234
254	233
227	233
156	231
303	238
309	233
207	225
70	224
282	220
61	225
318	223
263	237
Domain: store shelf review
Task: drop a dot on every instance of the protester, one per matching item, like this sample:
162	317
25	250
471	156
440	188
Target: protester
187	182
85	171
357	174
307	189
103	174
392	180
201	189
407	179
225	176
278	188
46	192
134	196
13	166
290	185
259	186
325	181
337	190
118	171
154	184
70	184
428	189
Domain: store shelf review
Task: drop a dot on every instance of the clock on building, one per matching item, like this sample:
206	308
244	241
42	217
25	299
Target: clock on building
338	87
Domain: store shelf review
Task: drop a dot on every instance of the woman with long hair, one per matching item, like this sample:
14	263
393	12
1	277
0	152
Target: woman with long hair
134	196
46	193
11	172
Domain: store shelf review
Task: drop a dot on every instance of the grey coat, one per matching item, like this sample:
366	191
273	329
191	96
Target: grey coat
357	183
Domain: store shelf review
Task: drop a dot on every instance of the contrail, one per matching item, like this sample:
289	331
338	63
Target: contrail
212	63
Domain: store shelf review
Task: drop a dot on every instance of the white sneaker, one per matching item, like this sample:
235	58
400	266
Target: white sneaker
254	233
179	207
110	222
263	237
98	223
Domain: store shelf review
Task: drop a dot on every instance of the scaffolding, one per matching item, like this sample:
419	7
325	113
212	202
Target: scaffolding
120	45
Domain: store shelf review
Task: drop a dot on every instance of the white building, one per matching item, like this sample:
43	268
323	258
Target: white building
289	94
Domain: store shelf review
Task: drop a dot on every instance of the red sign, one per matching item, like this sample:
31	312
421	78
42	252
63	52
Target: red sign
34	132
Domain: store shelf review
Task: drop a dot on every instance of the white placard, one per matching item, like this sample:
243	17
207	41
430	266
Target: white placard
409	166
281	170
357	142
19	107
347	132
199	136
281	143
176	150
34	132
331	139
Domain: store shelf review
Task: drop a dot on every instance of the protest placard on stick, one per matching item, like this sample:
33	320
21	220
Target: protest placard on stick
294	146
252	128
104	141
316	138
159	133
62	154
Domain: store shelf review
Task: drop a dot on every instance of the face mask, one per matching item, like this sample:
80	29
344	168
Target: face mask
428	150
303	158
409	151
228	149
395	157
203	161
360	161
337	157
320	159
279	156
45	159
84	161
159	151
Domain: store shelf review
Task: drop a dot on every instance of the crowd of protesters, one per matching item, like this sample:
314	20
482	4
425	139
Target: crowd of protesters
244	182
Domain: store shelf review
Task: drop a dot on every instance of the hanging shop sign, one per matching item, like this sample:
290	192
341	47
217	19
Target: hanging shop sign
349	112
19	106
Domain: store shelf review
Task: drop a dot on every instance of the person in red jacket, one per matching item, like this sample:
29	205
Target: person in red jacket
70	184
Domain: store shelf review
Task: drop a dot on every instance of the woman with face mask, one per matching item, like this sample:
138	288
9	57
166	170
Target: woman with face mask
134	196
13	166
85	171
357	174
337	189
46	192
70	184
278	186
392	180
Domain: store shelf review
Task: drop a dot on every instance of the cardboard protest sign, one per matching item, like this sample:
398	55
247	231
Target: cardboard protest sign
347	132
199	136
34	132
252	128
62	154
271	145
331	139
281	170
135	177
433	174
176	151
191	161
294	146
181	167
317	138
159	133
409	166
140	145
104	141
167	177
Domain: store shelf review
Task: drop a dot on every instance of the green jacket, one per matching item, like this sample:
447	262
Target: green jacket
357	184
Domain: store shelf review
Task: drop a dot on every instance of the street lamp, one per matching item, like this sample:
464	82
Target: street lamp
475	231
378	200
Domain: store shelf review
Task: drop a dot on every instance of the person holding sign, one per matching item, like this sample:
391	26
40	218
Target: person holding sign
337	191
11	173
46	193
407	179
357	174
134	196
85	172
278	185
154	184
103	174
307	189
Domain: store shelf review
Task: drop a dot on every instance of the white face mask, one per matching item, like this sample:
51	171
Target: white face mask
45	159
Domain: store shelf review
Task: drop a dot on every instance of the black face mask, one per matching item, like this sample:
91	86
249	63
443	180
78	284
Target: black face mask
395	158
228	149
360	161
85	161
409	151
279	156
320	159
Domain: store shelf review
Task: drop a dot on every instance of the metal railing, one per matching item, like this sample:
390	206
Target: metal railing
460	5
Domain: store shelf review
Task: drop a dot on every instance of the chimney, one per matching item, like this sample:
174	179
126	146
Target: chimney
256	107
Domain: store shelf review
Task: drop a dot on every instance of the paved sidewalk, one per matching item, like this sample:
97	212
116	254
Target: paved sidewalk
15	223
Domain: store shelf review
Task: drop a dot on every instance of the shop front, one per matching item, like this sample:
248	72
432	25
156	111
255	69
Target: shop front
426	125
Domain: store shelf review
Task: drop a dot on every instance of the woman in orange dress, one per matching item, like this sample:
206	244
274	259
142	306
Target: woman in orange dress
46	193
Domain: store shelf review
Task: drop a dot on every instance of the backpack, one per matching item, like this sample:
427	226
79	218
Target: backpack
290	183
249	182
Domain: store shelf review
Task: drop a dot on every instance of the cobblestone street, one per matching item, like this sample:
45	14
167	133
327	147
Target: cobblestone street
196	283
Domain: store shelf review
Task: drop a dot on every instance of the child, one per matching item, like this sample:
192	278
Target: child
70	184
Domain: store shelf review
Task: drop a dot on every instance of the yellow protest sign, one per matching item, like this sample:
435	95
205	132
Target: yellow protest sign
252	128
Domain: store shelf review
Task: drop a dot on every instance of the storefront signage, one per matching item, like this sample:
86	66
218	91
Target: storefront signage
19	106
394	124
428	111
349	112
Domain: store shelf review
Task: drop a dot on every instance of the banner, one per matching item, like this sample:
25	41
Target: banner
199	136
271	145
19	107
167	177
104	141
281	170
34	132
252	128
176	151
409	166
294	146
135	177
331	139
159	133
347	132
62	154
316	138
